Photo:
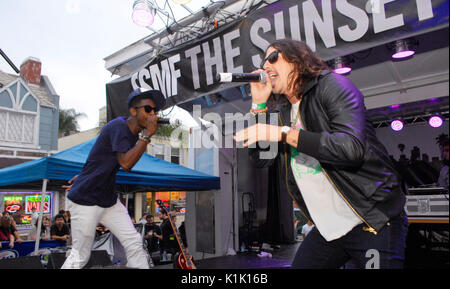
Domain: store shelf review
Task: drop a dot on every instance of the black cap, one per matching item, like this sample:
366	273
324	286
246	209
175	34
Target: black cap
152	94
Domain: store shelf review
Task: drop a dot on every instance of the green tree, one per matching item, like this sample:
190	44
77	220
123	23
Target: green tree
68	121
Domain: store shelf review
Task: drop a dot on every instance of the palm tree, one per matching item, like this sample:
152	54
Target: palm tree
68	121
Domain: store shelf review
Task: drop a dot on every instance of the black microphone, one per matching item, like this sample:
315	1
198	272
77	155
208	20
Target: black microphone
241	77
167	121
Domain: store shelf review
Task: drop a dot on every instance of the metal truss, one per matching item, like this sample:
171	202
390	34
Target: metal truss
217	13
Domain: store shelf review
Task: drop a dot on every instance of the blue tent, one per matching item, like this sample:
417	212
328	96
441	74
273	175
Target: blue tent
149	173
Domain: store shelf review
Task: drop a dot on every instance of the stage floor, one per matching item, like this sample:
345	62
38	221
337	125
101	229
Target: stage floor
281	258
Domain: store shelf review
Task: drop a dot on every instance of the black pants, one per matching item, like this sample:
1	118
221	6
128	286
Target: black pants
363	249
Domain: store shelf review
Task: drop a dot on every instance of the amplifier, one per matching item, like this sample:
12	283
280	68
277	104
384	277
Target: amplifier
427	205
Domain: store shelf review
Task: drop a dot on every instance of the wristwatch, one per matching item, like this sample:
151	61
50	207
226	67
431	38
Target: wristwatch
284	132
144	138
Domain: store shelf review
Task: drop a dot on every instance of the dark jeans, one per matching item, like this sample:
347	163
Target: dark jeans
360	247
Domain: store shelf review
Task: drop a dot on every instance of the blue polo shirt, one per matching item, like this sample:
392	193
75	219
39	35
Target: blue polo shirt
96	183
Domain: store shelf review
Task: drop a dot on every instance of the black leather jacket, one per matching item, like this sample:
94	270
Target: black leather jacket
338	134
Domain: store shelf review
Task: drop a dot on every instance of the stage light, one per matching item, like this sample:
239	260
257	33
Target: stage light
397	125
339	66
402	49
435	121
181	1
143	13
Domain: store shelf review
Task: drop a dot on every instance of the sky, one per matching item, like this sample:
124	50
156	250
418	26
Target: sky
71	38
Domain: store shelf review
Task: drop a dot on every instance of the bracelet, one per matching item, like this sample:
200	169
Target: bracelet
259	105
144	138
257	111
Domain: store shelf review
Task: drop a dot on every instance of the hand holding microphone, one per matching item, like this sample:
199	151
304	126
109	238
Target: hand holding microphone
260	85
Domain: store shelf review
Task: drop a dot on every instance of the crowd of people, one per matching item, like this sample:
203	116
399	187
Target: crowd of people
160	237
157	236
419	171
56	229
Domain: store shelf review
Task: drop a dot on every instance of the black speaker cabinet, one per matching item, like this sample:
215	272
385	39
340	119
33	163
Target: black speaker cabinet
29	262
98	259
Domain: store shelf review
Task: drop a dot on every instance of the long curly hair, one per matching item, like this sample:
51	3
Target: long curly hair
307	65
5	224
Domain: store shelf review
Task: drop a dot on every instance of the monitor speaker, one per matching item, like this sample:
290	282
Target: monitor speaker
98	259
29	262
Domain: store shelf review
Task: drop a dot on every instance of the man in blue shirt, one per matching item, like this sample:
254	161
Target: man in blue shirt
92	198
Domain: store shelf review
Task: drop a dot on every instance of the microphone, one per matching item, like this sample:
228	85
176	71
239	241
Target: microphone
241	77
167	121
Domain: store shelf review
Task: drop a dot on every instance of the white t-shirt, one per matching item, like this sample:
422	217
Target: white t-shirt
306	229
330	213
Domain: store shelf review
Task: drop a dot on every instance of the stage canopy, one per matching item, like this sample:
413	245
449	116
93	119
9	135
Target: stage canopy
149	173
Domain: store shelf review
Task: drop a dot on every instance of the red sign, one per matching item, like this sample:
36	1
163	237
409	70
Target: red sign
13	208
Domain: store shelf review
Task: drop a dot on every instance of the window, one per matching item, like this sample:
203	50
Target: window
18	115
175	157
157	150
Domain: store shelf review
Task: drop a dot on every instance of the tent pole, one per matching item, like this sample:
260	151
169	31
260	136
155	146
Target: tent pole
38	229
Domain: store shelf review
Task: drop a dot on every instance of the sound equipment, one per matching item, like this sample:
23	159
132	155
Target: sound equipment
183	260
427	191
29	262
98	259
56	260
427	205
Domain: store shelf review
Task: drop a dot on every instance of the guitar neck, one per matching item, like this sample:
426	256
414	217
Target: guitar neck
177	235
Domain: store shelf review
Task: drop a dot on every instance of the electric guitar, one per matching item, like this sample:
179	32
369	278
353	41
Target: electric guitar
182	260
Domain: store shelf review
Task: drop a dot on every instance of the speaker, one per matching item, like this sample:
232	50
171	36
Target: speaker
56	260
98	259
29	262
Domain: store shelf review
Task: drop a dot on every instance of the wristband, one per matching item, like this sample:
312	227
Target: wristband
144	138
259	105
256	111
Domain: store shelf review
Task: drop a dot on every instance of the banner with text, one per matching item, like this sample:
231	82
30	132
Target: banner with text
330	28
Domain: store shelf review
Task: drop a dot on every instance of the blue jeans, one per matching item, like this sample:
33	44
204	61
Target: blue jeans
363	249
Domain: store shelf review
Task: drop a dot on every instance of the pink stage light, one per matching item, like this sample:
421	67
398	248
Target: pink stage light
403	54
142	14
397	125
435	121
342	70
402	49
339	65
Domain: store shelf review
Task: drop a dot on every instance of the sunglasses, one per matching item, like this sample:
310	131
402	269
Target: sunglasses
272	58
147	108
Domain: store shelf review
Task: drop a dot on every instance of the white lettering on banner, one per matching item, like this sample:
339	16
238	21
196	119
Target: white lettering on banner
230	52
279	25
257	40
144	73
192	54
219	54
295	24
176	73
134	79
381	23
358	15
164	80
424	9
161	79
211	61
324	26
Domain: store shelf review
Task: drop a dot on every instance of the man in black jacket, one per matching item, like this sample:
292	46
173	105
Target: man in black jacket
329	160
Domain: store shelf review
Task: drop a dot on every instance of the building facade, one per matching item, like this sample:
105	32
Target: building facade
29	120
